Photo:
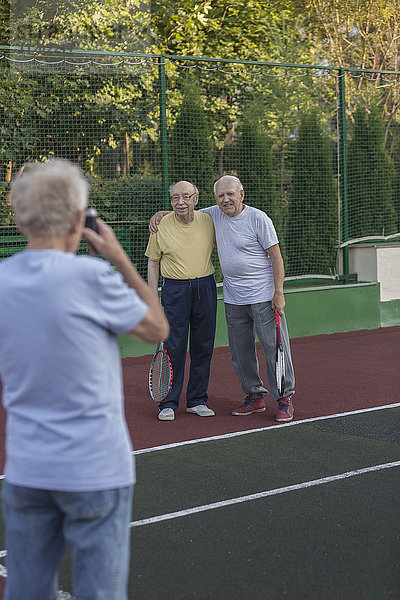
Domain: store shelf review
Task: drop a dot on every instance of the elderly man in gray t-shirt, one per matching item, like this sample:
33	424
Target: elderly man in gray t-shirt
253	271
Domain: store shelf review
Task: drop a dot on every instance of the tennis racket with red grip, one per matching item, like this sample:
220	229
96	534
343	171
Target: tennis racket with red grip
280	357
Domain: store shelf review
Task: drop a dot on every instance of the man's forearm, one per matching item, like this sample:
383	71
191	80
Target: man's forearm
278	270
153	269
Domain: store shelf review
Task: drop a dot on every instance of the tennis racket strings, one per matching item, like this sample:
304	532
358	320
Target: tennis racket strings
160	375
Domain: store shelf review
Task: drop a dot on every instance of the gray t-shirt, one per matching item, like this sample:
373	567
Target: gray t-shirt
241	243
61	371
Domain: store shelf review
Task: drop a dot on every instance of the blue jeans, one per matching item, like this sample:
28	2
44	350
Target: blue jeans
39	526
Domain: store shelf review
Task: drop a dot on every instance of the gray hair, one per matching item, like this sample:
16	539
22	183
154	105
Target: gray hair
46	196
236	179
176	183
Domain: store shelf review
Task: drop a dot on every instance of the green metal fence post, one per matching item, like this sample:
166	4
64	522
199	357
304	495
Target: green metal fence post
343	172
163	129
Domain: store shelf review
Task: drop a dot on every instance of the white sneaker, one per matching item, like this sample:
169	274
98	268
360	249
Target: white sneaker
166	414
202	410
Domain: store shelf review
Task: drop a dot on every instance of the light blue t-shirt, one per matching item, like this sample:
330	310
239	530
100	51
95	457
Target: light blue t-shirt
61	371
241	244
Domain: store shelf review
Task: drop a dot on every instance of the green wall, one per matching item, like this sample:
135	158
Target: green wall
332	308
311	311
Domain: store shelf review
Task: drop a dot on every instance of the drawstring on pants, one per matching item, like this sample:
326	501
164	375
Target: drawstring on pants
198	280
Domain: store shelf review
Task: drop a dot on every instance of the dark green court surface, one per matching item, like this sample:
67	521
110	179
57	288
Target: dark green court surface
338	539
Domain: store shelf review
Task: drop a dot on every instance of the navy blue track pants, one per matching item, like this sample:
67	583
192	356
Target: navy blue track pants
190	306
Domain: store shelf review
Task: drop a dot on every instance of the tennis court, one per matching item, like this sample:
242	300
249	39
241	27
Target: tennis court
242	507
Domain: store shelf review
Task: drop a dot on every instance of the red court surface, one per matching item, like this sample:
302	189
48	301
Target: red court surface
335	373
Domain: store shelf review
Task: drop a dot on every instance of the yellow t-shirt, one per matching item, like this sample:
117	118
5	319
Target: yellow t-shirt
184	251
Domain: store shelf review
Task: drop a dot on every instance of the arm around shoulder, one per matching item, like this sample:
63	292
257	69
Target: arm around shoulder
156	218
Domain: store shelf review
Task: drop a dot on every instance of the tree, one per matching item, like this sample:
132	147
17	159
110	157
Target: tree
370	178
82	24
229	28
107	118
312	221
396	183
5	15
251	159
190	144
355	33
364	34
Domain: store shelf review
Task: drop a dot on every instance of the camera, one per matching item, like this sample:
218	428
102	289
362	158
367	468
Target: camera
91	219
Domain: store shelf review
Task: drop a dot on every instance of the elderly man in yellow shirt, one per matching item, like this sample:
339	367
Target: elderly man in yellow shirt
182	248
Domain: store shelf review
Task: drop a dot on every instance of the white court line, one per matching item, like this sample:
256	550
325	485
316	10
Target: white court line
247	431
275	492
241	499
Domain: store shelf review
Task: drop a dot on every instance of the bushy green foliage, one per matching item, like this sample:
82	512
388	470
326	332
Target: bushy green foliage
6	213
190	144
370	178
127	204
106	118
396	182
251	159
5	14
239	28
312	221
115	25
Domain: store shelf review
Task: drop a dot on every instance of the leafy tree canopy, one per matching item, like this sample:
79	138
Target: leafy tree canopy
348	33
229	29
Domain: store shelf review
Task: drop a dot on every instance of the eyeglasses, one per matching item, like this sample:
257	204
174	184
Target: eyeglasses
185	197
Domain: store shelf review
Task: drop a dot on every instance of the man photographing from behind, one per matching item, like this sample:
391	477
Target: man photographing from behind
69	470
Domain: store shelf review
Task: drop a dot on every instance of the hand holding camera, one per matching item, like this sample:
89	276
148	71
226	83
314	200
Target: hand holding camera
91	219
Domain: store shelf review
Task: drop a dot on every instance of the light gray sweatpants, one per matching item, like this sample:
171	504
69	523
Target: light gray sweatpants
244	323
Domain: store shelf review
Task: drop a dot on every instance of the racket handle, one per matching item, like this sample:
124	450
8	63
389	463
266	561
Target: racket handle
278	328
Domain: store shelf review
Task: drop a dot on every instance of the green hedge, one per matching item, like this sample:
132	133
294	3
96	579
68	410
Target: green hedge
127	204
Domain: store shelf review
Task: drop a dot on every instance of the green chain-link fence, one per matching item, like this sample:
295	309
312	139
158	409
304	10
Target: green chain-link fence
317	148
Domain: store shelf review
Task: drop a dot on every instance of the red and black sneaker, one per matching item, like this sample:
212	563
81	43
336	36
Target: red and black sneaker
285	410
252	403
